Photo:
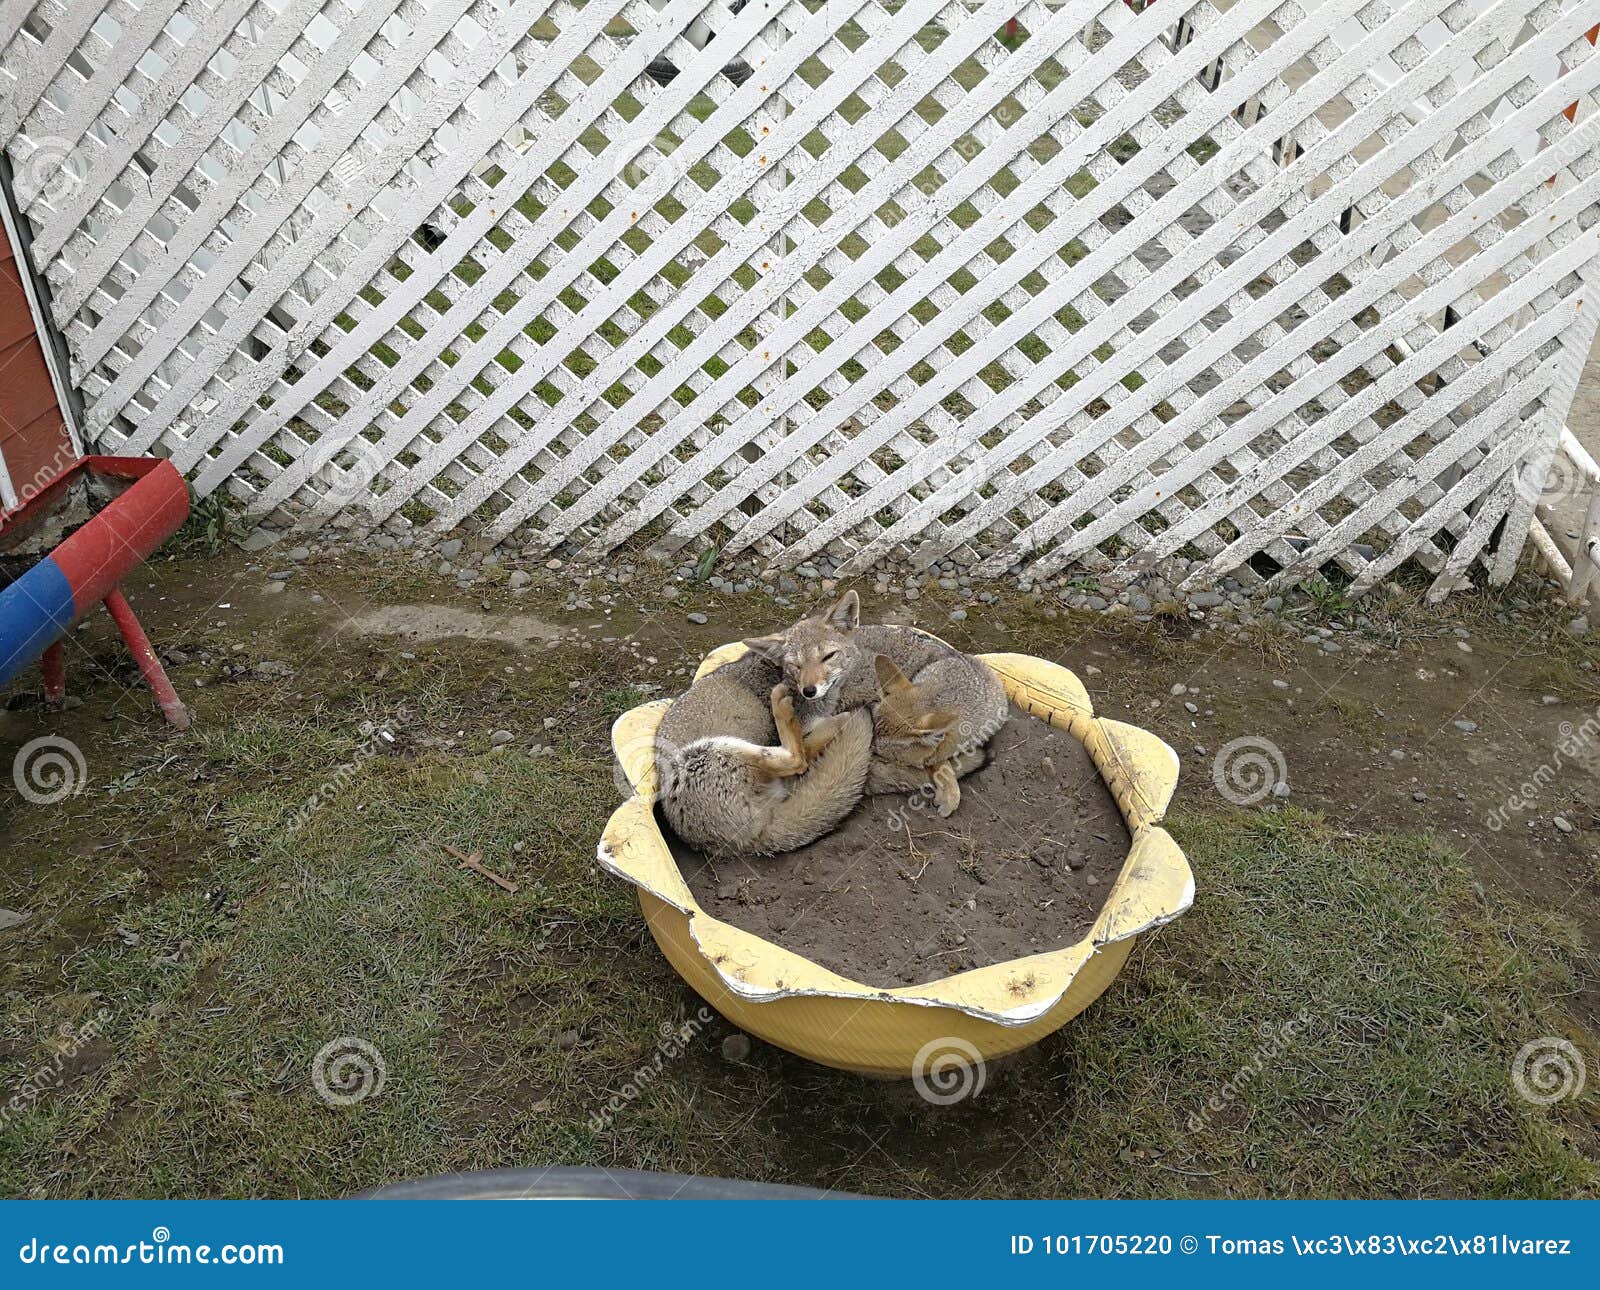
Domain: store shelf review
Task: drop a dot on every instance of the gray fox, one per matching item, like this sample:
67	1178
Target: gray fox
831	662
738	775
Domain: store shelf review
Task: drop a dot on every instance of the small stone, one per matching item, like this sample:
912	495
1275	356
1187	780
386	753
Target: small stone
700	620
567	1040
1178	687
1464	647
958	615
1561	822
736	1048
451	549
1465	727
1579	626
1280	685
272	589
519	579
10	918
1191	709
1419	796
300	553
1280	789
1397	754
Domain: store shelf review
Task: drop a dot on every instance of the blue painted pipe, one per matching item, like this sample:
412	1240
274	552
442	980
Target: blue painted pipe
34	611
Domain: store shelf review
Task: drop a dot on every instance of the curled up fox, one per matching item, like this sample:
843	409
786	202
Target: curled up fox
773	750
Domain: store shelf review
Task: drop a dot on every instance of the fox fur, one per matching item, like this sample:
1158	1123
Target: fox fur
737	773
920	688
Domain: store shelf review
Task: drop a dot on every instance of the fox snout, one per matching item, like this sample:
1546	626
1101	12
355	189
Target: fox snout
815	679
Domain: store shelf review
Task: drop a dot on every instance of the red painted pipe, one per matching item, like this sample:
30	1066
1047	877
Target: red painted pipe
128	530
150	668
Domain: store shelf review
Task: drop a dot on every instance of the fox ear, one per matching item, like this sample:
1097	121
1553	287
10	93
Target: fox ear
769	647
938	722
846	615
891	680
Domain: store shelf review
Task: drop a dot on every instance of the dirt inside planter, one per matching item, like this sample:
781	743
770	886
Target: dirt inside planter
897	896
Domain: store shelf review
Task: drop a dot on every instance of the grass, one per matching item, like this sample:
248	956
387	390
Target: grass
1380	996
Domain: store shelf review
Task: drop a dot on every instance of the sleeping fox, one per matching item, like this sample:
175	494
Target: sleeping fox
938	709
738	775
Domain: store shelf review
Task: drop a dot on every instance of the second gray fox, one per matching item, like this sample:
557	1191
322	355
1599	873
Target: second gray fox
830	661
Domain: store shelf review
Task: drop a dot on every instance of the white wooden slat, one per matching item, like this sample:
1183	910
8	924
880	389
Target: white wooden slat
32	67
1430	247
503	275
377	171
950	258
107	245
773	148
88	101
744	311
1100	332
348	348
222	200
1351	356
122	144
906	290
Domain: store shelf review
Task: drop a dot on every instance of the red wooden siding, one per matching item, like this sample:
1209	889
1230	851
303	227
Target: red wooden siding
34	443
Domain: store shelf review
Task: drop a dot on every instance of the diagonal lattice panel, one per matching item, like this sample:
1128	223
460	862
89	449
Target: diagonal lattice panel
1271	286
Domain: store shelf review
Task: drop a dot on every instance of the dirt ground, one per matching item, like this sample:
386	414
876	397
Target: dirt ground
943	894
1371	947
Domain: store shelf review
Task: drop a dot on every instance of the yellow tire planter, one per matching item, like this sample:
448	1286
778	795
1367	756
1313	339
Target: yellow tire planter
986	1013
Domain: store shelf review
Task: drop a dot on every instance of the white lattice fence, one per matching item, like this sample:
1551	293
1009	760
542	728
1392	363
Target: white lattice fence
1267	284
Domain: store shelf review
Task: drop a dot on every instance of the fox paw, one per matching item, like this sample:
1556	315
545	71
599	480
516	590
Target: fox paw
947	802
782	704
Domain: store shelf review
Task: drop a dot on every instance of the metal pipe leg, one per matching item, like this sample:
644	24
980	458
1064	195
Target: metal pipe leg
54	666
150	668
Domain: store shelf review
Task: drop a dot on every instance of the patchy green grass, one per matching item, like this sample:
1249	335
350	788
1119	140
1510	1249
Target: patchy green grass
1336	1016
